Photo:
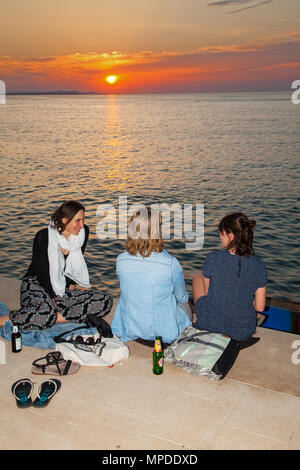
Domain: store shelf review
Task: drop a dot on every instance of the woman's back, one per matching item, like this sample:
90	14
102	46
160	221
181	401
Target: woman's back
228	306
151	288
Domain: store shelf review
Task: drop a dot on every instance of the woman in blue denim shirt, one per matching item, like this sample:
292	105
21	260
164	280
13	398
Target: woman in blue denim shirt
153	300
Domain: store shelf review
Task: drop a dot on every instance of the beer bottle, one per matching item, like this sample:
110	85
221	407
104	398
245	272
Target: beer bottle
158	357
16	339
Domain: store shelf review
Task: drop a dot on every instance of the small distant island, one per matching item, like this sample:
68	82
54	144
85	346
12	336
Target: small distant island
74	92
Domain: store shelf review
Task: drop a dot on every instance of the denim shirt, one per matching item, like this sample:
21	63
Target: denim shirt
151	289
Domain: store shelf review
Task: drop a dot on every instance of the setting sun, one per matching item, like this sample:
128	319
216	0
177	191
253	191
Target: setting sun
111	79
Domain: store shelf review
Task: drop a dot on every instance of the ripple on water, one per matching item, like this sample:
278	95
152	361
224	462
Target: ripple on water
229	152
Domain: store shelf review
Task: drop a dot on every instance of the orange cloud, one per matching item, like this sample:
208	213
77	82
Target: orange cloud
149	71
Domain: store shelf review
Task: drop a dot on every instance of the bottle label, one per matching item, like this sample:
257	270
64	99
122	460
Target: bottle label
157	346
18	344
161	362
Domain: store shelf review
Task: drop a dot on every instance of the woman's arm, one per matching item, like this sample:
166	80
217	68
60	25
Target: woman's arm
259	301
40	264
87	231
206	284
202	279
179	288
200	286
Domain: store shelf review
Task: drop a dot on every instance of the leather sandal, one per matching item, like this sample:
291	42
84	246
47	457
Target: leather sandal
54	364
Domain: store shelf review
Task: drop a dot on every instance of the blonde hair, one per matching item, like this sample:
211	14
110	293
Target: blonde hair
149	238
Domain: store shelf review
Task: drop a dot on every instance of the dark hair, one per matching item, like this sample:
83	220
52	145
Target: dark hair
67	210
242	229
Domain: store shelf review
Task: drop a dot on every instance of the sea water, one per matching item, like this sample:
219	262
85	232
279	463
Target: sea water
226	152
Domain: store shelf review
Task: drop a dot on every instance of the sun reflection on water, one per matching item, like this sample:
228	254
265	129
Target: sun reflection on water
153	149
115	148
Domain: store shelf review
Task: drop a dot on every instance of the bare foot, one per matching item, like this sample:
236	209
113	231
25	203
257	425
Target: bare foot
60	318
3	320
260	318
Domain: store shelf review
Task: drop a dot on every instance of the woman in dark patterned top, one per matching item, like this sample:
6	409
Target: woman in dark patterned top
56	285
232	286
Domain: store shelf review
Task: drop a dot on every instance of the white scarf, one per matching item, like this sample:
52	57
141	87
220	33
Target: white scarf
75	267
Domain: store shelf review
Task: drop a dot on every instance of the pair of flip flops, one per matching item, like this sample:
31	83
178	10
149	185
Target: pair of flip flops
22	391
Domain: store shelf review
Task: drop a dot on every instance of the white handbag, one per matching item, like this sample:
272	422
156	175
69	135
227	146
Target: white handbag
104	353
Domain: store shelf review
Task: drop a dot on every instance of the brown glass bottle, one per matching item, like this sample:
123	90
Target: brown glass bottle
158	357
16	339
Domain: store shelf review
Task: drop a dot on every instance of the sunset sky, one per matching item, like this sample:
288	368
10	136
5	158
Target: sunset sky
149	45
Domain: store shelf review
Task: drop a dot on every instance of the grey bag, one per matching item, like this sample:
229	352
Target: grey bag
202	352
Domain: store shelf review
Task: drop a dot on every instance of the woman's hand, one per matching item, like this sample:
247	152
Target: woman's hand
59	317
72	287
76	287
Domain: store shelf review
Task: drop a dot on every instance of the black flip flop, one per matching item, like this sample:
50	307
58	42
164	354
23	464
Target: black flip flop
46	391
22	390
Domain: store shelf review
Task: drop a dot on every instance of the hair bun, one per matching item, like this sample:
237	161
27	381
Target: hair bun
252	224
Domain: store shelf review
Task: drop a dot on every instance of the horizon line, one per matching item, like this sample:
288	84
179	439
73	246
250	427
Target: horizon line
75	92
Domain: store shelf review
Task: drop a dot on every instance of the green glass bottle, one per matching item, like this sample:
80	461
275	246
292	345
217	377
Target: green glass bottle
158	357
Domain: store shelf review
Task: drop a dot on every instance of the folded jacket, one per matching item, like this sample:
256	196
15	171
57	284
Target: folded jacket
43	339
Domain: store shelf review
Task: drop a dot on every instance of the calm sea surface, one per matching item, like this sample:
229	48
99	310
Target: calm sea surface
227	151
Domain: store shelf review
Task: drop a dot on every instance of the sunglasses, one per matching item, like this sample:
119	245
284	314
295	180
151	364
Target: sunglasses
89	344
90	340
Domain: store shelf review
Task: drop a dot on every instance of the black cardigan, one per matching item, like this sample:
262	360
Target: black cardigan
39	265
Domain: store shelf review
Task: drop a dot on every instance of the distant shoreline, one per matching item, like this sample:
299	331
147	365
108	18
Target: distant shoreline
58	93
53	93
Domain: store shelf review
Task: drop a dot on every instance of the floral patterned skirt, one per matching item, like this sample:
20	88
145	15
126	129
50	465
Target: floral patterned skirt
37	311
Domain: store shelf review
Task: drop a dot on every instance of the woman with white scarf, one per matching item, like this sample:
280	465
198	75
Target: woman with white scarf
51	290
